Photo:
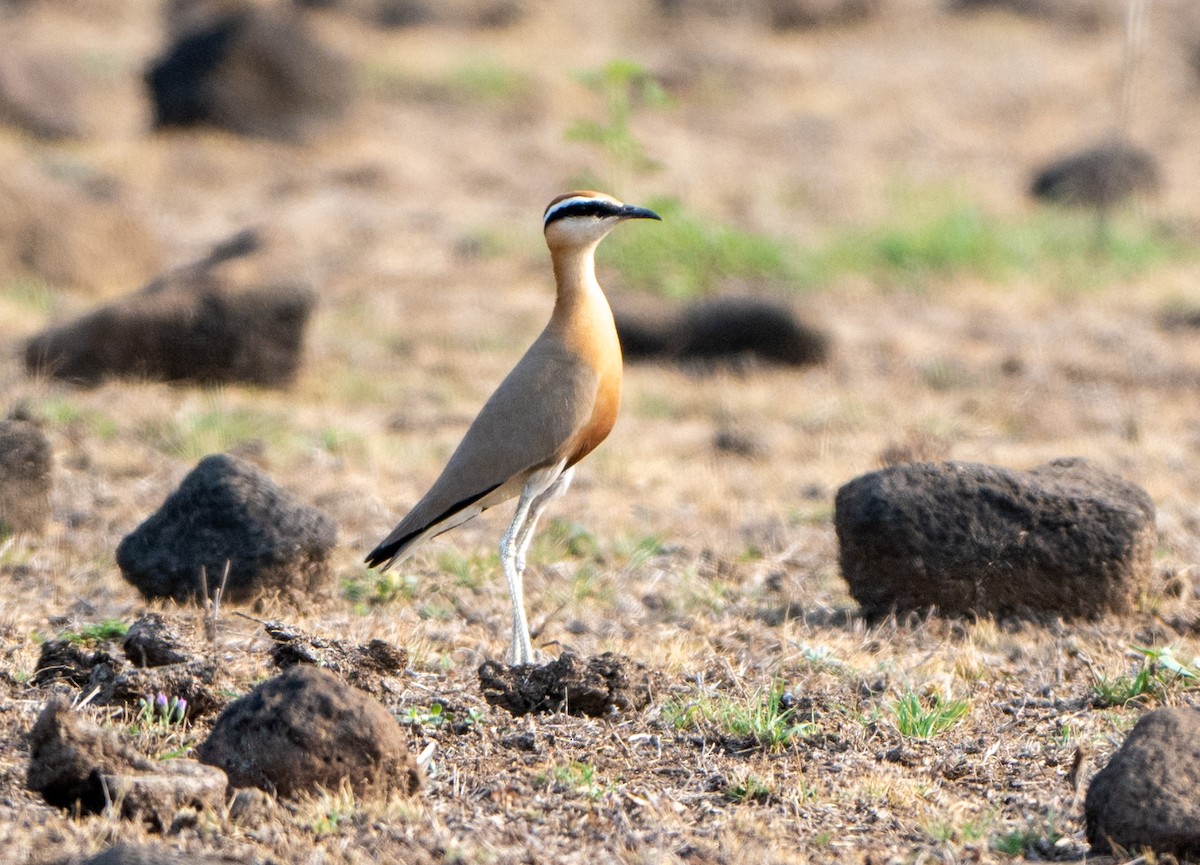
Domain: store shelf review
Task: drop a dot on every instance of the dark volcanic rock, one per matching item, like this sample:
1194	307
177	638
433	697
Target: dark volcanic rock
306	728
728	330
254	71
1100	176
226	511
1149	793
73	761
26	461
1066	538
597	686
197	324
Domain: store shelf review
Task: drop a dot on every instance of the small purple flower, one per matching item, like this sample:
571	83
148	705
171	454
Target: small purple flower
160	704
180	710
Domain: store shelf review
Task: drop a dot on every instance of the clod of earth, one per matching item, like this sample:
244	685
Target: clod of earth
372	667
254	71
1066	538
26	462
730	330
598	686
1149	793
201	323
1100	176
118	682
227	513
306	729
73	762
152	642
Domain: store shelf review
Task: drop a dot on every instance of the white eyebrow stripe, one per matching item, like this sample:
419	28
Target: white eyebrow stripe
567	202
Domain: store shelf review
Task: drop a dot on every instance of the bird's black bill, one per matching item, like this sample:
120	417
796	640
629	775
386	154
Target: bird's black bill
629	211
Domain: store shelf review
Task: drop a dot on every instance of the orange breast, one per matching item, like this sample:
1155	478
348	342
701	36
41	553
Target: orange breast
604	415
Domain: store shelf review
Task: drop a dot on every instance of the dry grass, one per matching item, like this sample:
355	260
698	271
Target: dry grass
719	571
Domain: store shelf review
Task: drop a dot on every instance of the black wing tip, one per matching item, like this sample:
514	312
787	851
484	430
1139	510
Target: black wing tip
382	555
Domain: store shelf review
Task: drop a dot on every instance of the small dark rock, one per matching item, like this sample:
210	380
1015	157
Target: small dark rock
727	330
306	728
198	324
74	762
1066	538
228	512
1149	793
26	461
739	443
1182	318
596	686
1100	176
152	642
253	71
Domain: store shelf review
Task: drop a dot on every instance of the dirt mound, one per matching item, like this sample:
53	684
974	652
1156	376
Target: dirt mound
1066	538
730	330
201	323
142	672
26	462
596	686
1149	793
1099	176
306	728
372	667
228	514
254	71
73	761
70	236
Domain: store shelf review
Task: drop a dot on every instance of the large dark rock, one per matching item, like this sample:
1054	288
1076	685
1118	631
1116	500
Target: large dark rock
26	461
254	71
1066	538
306	728
74	763
227	512
726	330
1100	176
1149	793
197	324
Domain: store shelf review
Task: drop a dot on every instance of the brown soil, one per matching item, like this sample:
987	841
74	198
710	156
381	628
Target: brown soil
416	218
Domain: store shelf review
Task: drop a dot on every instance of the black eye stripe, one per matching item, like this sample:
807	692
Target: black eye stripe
584	208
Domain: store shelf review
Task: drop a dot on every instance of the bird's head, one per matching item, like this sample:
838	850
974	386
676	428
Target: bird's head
580	219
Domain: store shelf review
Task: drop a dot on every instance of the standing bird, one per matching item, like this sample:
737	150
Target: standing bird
558	403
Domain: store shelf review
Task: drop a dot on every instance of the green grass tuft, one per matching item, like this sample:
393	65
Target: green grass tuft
923	718
763	717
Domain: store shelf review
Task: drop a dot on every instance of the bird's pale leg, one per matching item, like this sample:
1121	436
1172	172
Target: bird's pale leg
521	650
555	491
